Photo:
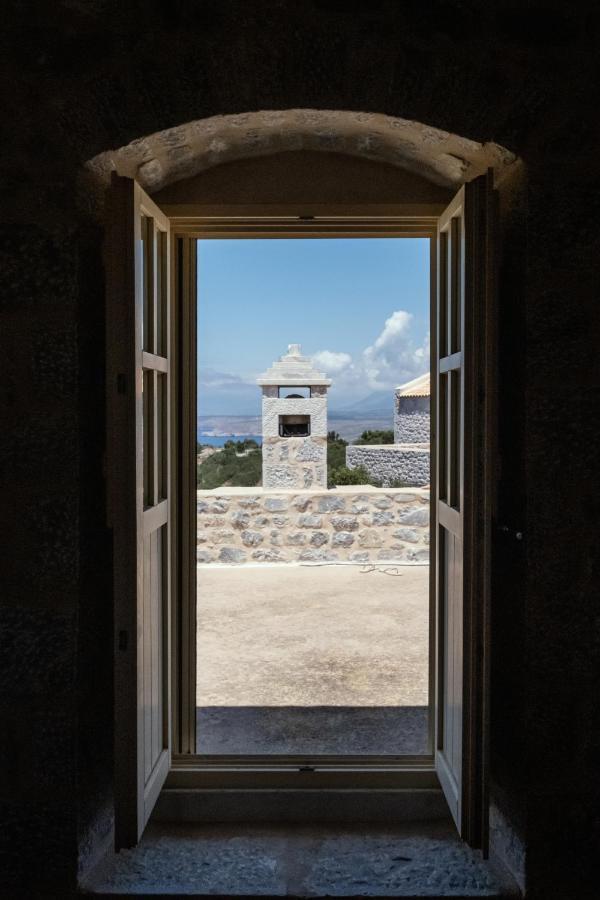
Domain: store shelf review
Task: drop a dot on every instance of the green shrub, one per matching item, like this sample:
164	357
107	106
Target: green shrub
336	452
226	467
344	475
385	436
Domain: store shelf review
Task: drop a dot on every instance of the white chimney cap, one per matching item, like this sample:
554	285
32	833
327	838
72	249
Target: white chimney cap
293	369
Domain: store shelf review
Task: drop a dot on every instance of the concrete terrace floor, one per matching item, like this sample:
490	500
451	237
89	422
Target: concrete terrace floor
306	659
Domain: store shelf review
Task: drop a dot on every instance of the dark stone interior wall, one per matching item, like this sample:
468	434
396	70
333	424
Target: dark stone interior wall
80	78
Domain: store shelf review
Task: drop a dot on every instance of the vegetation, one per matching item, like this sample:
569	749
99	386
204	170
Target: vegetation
344	475
336	452
238	464
337	471
385	436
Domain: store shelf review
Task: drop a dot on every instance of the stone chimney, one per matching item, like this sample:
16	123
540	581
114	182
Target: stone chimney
294	423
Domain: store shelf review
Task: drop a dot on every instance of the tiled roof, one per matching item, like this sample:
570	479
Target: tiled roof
418	387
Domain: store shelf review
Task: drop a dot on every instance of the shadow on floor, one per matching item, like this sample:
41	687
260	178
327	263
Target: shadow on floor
309	730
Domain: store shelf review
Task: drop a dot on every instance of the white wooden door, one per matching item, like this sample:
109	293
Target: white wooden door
464	373
139	313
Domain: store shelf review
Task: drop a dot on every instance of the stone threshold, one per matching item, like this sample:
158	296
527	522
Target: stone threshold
424	859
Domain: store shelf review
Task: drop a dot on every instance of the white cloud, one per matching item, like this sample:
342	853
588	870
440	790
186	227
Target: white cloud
396	326
331	362
393	358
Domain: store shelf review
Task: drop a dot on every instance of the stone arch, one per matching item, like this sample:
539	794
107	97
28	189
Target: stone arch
168	156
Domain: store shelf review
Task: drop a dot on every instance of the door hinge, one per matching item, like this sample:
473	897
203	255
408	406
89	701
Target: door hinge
121	383
123	640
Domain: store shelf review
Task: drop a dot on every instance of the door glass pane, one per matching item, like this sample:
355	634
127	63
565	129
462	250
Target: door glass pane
161	425
161	293
443	438
455	430
455	285
148	283
443	295
148	426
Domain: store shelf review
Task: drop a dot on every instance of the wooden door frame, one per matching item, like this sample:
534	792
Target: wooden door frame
189	769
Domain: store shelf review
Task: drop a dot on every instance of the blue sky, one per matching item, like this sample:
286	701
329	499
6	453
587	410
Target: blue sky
360	307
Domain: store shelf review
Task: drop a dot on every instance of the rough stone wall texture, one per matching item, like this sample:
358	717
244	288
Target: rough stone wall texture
242	525
294	462
86	78
411	420
391	462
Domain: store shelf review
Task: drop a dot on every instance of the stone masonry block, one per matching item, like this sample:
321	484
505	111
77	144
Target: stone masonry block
317	556
382	518
203	556
414	516
360	557
344	523
240	519
282	476
274	504
232	555
302	503
370	539
309	520
251	538
221	536
268	556
331	504
406	534
342	539
310	451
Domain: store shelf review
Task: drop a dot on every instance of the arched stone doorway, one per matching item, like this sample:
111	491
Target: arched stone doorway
160	159
425	154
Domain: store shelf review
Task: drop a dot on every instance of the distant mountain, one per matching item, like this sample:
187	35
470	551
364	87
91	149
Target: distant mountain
378	402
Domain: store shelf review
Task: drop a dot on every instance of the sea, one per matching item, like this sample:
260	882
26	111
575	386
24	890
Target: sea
218	440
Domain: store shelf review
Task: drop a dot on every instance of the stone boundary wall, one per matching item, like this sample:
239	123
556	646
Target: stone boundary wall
367	525
392	462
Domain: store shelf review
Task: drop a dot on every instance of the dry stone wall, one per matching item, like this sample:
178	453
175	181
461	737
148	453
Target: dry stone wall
239	526
388	463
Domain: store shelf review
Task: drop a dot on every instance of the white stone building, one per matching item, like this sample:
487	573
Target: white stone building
406	461
294	423
412	411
